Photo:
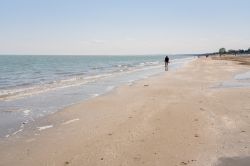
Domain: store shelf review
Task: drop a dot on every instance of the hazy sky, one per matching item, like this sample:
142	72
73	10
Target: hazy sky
122	26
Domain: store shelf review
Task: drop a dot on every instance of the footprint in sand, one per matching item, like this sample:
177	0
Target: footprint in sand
196	120
187	162
66	163
202	109
183	163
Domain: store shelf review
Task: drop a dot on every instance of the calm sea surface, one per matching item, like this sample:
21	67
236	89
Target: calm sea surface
35	86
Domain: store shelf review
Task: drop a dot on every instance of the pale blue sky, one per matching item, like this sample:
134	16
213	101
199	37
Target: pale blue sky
122	26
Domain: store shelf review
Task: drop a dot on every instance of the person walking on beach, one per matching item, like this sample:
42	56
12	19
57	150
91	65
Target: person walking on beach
166	63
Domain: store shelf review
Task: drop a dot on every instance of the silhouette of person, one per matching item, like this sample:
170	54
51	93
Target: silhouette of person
166	63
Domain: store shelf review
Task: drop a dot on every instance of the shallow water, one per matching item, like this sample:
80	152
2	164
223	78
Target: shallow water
239	81
233	161
243	76
46	92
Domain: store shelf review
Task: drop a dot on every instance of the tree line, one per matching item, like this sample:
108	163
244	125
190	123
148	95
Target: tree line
233	52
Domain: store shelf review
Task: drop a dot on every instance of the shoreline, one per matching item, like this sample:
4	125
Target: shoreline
172	119
17	114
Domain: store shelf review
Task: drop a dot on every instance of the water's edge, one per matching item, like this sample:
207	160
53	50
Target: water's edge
18	121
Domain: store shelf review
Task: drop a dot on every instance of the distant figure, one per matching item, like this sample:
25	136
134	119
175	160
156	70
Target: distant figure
166	63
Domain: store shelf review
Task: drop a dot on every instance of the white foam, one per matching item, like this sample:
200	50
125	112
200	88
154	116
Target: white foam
95	95
44	127
70	121
109	88
26	112
97	76
155	63
142	64
10	94
130	82
20	130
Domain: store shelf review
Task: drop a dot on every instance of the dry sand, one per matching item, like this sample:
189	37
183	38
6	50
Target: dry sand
183	117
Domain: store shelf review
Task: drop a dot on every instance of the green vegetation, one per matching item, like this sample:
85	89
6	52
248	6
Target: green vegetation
233	52
222	51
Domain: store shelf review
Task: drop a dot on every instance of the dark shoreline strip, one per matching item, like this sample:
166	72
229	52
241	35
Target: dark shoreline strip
242	60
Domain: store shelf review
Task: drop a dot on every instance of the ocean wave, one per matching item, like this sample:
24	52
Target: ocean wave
77	80
29	89
23	91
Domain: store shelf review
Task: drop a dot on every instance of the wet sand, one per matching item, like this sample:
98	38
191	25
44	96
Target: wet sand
179	118
243	60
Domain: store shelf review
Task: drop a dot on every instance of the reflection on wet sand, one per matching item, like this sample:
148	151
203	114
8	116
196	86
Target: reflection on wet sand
233	161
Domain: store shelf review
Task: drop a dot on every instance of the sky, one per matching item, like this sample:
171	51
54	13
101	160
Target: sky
122	27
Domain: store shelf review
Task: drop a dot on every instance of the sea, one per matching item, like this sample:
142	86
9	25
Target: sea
33	87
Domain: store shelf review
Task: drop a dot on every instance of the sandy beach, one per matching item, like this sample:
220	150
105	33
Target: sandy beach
188	116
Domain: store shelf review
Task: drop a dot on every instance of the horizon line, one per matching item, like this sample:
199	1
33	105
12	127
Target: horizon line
99	54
